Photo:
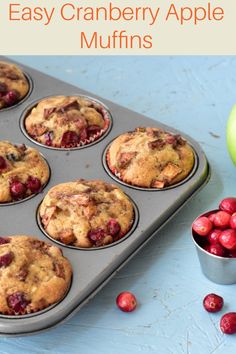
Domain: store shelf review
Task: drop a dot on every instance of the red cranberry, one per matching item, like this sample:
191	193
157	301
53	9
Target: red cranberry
211	217
6	259
202	226
17	302
216	249
3	163
11	98
227	239
4	240
96	235
126	301
33	184
233	221
213	236
48	136
69	139
83	134
17	189
228	323
232	254
113	227
93	129
222	219
228	205
213	303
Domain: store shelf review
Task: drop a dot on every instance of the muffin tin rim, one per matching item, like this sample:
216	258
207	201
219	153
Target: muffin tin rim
33	104
148	189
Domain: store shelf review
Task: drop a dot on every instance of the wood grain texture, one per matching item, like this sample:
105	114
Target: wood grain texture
195	95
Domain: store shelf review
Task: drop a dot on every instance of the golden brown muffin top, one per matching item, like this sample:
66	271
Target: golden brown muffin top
33	275
86	213
150	157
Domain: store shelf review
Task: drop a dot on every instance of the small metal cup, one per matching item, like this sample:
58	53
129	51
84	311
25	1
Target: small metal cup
220	270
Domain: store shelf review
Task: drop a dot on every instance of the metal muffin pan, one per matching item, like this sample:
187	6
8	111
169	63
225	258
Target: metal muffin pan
92	268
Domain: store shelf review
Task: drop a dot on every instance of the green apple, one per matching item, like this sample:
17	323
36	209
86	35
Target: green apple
231	134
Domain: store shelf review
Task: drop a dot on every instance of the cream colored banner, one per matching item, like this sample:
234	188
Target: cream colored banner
117	27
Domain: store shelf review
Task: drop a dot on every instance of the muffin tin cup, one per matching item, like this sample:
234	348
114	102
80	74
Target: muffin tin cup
92	268
116	176
96	138
220	270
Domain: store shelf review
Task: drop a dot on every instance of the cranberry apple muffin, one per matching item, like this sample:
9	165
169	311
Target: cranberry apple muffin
86	213
67	121
13	84
150	158
34	275
23	171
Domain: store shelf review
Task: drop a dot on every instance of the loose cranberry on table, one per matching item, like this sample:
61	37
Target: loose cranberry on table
213	302
126	301
228	323
202	226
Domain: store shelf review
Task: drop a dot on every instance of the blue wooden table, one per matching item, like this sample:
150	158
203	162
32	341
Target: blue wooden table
195	95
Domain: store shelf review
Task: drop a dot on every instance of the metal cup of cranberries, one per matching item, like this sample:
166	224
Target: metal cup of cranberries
214	235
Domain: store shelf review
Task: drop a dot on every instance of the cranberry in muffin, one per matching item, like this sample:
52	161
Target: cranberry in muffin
150	158
23	172
34	275
86	213
13	84
67	121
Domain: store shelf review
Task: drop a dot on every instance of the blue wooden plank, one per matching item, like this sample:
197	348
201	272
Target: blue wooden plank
193	94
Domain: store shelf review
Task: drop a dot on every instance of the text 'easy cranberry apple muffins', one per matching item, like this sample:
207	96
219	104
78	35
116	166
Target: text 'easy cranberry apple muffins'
23	172
33	275
150	158
67	121
86	213
14	86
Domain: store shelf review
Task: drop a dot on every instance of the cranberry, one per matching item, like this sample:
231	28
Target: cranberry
17	189
232	254
113	227
6	259
93	129
233	221
69	139
222	219
216	249
4	240
211	217
202	226
11	98
3	163
227	239
228	205
213	303
213	236
83	134
228	323
96	235
48	136
17	302
126	301
33	184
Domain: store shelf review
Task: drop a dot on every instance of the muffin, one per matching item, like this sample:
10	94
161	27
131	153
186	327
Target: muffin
150	158
67	121
86	213
13	84
23	172
34	275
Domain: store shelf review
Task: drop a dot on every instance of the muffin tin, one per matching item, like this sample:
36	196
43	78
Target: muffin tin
94	267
